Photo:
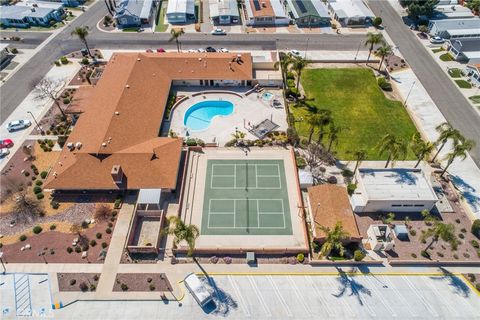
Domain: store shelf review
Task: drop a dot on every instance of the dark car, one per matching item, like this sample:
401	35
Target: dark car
210	49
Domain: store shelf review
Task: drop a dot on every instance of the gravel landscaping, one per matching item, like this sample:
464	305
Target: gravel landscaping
78	281
156	282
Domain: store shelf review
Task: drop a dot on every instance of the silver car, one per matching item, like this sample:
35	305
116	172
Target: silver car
18	125
4	152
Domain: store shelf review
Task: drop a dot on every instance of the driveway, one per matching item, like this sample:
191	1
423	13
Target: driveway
305	297
453	105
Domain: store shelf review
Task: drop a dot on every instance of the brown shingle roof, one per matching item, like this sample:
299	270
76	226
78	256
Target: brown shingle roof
329	204
265	6
123	116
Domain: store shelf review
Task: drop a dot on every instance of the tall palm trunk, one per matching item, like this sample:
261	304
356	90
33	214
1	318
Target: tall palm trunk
356	167
312	128
330	144
388	160
107	4
59	107
434	239
438	152
321	133
113	4
419	160
380	65
370	52
178	44
446	167
299	74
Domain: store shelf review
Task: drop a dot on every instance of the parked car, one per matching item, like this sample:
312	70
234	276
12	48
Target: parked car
218	32
6	143
192	50
4	152
200	50
198	290
437	40
149	50
210	49
294	52
223	50
18	125
161	50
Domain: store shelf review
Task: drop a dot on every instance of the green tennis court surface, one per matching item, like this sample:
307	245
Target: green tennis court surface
246	197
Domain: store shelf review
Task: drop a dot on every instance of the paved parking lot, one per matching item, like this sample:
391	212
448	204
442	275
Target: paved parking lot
306	297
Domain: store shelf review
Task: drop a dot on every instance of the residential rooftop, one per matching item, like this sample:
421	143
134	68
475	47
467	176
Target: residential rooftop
305	8
139	8
224	8
183	6
21	10
265	8
350	8
396	184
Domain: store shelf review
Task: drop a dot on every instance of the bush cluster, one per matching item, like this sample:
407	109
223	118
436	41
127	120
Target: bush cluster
384	84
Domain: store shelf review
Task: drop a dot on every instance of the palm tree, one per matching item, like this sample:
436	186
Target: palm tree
82	33
396	148
421	148
443	231
359	155
182	232
314	120
298	65
460	150
237	135
324	119
333	135
447	132
333	239
110	10
284	63
383	52
372	40
175	34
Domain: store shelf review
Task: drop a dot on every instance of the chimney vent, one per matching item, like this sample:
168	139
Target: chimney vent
117	174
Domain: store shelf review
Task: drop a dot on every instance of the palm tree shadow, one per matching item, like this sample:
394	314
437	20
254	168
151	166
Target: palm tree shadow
458	285
223	302
348	282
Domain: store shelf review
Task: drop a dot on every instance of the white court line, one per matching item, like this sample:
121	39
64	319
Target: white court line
258	216
399	296
234	212
260	297
319	296
421	297
243	305
256	177
379	295
279	296
299	297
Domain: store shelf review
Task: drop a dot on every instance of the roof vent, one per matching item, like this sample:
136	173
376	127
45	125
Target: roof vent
104	145
138	59
200	59
117	113
127	86
70	146
78	145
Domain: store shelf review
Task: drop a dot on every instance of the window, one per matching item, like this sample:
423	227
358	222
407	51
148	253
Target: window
396	205
419	205
408	205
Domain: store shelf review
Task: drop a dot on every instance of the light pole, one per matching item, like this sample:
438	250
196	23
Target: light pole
408	95
356	54
1	260
306	49
35	120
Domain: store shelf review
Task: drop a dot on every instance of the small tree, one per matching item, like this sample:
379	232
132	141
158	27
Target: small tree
383	52
394	147
333	135
372	40
103	212
333	239
421	148
447	132
459	151
360	156
27	208
443	231
49	88
298	65
423	29
377	22
175	34
82	33
183	231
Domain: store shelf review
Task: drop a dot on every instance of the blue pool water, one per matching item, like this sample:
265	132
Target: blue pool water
199	116
267	96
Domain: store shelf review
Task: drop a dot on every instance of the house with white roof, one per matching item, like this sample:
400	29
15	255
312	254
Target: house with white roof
308	13
134	13
180	11
393	190
351	13
465	49
31	13
455	28
265	13
224	12
452	12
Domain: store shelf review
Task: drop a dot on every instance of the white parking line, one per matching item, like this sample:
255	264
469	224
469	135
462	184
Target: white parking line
361	299
446	302
243	305
319	295
279	296
299	296
259	296
345	304
420	297
379	295
399	296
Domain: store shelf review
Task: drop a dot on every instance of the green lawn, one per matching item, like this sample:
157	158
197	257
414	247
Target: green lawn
475	99
358	106
455	72
160	22
463	84
438	50
446	57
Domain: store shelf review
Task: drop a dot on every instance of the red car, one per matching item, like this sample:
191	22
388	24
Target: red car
6	143
161	50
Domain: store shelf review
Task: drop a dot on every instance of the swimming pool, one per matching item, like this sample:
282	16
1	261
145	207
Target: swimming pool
267	96
199	116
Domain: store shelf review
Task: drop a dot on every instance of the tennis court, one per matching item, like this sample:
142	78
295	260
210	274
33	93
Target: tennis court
246	197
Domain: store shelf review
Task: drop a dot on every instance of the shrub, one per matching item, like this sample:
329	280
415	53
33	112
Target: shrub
50	143
458	221
332	180
64	60
358	255
66	101
26	173
108	230
95	277
413	233
472	277
301	163
351	188
384	84
78	249
300	257
466	255
93	287
102	212
475	244
85	60
151	287
149	280
55	205
191	142
414	255
227	260
98	235
463	230
38	182
14	50
72	282
37	189
377	22
455	256
461	236
37	229
93	243
290	75
69	249
124	287
114	213
43	174
84	224
104	245
57	63
214	259
440	254
477	286
476	228
22	237
315	246
425	254
118	203
290	83
40	196
83	286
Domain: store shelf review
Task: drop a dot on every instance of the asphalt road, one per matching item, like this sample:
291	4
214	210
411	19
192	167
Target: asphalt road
453	105
30	40
20	84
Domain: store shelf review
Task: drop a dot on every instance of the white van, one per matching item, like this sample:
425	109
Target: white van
197	289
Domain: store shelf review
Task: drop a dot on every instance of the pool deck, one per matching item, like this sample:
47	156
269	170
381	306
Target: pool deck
247	109
193	202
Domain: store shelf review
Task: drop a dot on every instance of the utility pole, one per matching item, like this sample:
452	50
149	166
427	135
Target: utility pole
35	120
408	95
